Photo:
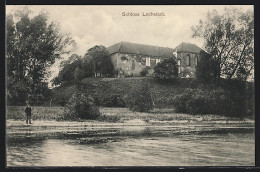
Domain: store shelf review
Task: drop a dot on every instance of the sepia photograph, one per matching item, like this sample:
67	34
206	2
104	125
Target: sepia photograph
130	85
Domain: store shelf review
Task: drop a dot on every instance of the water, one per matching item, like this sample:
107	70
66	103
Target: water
131	146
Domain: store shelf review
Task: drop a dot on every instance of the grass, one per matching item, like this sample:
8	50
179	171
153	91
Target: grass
123	114
38	113
110	115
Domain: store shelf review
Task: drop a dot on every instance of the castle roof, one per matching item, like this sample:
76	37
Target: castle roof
142	49
188	48
152	51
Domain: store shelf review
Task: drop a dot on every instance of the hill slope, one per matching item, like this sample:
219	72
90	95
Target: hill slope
102	88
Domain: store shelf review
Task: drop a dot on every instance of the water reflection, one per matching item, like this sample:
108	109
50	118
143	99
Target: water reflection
131	146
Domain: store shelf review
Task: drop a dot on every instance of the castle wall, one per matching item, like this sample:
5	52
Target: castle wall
187	69
133	64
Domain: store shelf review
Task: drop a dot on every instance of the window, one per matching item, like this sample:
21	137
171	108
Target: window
147	62
196	60
188	60
133	65
143	60
179	62
152	62
124	58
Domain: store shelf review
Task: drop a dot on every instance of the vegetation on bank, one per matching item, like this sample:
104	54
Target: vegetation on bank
113	115
235	99
231	97
81	106
105	89
219	101
139	98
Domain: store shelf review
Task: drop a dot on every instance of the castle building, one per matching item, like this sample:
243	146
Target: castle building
131	58
187	58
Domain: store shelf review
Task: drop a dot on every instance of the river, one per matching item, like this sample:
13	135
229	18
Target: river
119	145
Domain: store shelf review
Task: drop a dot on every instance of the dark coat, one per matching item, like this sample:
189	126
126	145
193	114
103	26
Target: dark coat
28	111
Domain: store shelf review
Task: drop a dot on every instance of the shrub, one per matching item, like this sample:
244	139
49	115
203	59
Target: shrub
97	101
144	71
167	69
108	118
140	98
180	100
62	102
114	101
81	106
198	101
226	102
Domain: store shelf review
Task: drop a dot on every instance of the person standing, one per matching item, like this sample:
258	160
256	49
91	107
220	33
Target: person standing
28	112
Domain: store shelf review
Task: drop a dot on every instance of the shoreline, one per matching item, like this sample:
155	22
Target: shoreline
19	127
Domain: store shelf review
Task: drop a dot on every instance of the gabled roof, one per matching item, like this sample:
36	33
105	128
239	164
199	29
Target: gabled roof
147	50
188	48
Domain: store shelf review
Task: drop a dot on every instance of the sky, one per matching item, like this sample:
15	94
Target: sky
91	25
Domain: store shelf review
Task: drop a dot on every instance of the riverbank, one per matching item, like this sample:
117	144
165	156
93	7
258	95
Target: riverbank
180	123
113	115
135	139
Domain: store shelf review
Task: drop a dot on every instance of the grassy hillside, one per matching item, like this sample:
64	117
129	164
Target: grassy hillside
102	88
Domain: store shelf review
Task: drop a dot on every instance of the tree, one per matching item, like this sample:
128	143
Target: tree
229	38
79	74
166	69
70	71
33	45
16	91
206	70
98	60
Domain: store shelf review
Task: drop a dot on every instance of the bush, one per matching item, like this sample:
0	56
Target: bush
198	101
140	99
180	101
97	101
144	71
81	106
219	101
114	101
62	102
108	118
167	69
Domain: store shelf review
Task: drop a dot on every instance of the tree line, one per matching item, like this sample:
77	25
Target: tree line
95	63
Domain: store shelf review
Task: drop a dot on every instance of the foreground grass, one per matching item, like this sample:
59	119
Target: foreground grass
38	113
111	115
